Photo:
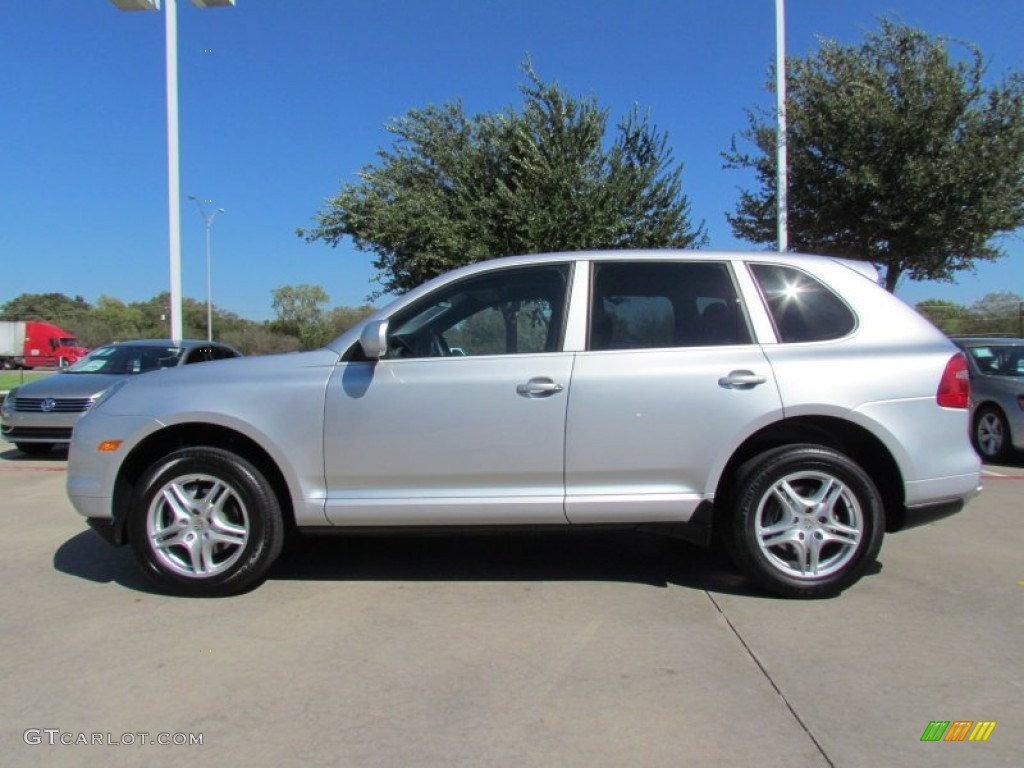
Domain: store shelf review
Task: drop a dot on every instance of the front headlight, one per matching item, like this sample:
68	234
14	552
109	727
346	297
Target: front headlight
7	409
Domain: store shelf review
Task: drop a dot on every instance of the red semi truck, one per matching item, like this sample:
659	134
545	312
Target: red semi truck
34	344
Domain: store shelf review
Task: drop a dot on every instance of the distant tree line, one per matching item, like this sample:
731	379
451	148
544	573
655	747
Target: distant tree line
302	322
997	314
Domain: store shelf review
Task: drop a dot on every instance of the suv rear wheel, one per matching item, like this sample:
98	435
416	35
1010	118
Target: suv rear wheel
205	522
806	521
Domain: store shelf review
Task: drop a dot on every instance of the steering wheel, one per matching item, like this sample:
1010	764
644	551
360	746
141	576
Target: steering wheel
399	346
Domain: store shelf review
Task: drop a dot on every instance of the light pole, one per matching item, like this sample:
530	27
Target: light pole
173	173
782	223
208	223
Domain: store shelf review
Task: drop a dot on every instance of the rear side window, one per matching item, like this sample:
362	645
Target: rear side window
650	305
802	308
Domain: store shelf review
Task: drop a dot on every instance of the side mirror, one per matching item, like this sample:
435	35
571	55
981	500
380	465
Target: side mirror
374	339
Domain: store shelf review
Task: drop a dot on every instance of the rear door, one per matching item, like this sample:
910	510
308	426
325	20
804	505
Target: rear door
671	382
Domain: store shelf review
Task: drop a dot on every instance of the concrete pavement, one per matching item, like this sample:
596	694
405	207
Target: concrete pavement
589	650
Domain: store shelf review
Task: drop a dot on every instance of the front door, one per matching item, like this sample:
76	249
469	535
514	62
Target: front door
463	421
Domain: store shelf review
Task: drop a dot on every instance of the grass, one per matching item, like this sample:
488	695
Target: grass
12	379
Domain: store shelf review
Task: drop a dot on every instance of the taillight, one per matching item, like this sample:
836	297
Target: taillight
955	384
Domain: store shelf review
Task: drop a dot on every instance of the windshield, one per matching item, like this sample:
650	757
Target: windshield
126	359
999	359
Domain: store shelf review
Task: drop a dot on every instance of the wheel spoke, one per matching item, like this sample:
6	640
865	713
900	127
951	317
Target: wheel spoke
179	502
198	525
216	497
789	498
788	535
812	559
234	539
194	546
168	538
840	533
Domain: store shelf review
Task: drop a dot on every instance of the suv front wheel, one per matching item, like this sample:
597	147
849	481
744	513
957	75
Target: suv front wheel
806	521
205	522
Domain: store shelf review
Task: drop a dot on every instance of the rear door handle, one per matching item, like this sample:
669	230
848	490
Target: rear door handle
741	380
538	386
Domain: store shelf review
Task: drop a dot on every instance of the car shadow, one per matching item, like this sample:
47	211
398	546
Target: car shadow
54	455
588	556
1016	461
624	557
87	556
627	557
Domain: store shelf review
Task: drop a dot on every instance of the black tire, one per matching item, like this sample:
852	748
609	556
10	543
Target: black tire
201	548
991	434
815	547
34	449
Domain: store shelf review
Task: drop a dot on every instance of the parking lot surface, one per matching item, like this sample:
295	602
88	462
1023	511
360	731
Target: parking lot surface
585	650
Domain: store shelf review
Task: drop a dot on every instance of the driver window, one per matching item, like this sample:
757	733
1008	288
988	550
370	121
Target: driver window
510	312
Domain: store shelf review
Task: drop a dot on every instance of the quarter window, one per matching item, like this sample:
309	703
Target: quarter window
652	305
802	308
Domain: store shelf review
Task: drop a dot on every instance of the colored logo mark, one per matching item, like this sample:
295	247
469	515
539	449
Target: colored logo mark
958	730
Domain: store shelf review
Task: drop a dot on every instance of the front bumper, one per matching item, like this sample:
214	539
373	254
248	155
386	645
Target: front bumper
13	434
92	474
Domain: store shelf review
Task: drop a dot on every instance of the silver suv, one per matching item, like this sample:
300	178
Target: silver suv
786	404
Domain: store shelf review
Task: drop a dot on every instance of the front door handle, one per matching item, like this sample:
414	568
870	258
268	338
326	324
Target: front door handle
538	386
741	380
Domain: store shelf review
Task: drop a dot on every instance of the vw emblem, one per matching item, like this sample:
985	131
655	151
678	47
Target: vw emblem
48	405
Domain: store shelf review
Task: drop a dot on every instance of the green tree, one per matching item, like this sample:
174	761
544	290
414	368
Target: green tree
53	308
258	339
996	314
898	155
948	316
455	189
118	320
340	319
300	313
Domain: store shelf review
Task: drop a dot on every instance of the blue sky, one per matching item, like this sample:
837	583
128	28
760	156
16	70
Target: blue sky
281	101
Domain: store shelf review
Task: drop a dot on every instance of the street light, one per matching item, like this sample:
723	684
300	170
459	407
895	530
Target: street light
173	172
208	222
781	204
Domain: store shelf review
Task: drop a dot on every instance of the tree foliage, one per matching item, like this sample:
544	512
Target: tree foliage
898	155
111	319
995	314
455	189
49	307
300	313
